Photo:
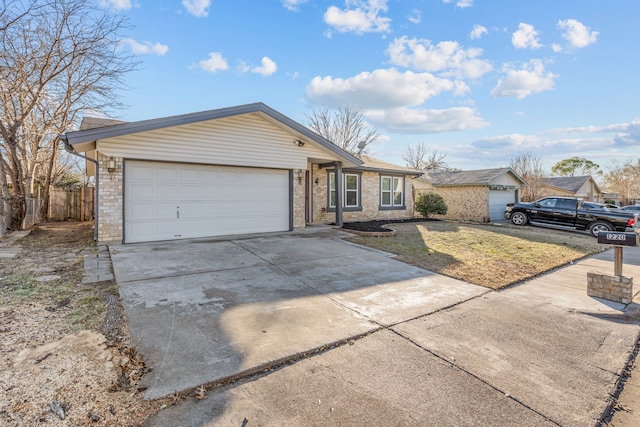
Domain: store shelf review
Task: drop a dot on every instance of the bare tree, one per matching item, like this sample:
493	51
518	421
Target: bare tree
529	168
57	58
345	127
415	158
624	179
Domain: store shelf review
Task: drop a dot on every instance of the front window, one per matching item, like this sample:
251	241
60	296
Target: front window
391	191
351	190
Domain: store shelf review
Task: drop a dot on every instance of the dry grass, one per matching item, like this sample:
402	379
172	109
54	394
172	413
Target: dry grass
485	255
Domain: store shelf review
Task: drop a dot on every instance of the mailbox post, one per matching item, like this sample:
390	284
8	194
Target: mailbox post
618	239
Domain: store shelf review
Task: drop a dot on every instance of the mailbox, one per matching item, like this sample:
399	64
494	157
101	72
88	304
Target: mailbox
618	238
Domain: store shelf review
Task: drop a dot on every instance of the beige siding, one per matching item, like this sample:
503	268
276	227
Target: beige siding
245	140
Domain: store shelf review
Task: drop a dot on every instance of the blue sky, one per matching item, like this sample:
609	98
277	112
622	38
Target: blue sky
478	80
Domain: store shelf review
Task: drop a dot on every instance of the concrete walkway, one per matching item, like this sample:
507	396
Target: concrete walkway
368	340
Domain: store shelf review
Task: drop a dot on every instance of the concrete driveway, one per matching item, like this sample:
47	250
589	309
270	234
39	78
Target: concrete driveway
369	340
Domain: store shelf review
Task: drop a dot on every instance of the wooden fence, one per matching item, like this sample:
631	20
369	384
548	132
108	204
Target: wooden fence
74	204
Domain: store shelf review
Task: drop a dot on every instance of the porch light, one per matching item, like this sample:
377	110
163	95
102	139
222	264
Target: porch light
300	175
317	180
298	143
112	165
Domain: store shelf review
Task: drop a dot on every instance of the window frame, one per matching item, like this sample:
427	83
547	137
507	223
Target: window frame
392	205
346	208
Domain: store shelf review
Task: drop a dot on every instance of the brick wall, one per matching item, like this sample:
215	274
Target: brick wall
298	199
463	202
110	202
369	199
612	288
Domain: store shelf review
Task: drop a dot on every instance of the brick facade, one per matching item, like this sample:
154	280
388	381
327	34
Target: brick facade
110	202
463	202
612	288
369	198
299	215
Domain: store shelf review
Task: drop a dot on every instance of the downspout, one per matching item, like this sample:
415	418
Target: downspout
71	150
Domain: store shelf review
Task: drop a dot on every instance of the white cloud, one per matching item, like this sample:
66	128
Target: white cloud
576	33
447	57
461	3
146	47
410	120
197	7
625	134
293	5
529	79
556	48
478	31
415	16
512	141
360	16
380	89
267	68
215	63
525	37
116	4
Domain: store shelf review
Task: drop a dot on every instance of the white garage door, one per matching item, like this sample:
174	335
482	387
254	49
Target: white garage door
165	201
497	202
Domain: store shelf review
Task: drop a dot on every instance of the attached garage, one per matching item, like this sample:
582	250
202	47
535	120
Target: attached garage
231	171
165	201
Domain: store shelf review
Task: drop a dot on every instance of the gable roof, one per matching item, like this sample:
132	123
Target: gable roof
473	177
376	165
111	130
569	183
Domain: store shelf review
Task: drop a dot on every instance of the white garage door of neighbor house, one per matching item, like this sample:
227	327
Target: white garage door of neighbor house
165	201
498	201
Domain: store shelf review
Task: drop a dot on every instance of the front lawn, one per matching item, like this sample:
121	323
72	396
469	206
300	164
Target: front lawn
486	255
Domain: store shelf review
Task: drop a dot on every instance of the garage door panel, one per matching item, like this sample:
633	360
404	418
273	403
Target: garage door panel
165	192
189	192
211	201
498	201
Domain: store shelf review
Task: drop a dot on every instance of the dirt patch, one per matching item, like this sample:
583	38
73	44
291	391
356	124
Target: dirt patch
65	355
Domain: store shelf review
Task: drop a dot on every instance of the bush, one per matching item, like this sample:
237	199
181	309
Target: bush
430	203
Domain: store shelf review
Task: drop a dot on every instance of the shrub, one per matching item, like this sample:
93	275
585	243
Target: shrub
430	203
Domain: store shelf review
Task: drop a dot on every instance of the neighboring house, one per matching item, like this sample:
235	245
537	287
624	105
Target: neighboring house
582	187
478	195
237	170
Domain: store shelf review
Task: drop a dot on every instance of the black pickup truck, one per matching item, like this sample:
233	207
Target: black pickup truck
571	212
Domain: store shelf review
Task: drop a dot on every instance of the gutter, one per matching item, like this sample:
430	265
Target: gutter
71	150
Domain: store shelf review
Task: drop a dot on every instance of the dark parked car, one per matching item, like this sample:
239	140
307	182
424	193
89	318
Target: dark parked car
633	208
572	212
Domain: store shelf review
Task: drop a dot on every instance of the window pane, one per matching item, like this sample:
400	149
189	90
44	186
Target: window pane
397	184
352	198
386	198
397	199
386	183
332	181
332	199
351	182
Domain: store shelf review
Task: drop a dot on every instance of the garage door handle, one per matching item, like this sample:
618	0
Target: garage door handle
178	213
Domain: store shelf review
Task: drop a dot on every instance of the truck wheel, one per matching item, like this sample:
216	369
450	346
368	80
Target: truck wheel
599	226
519	218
